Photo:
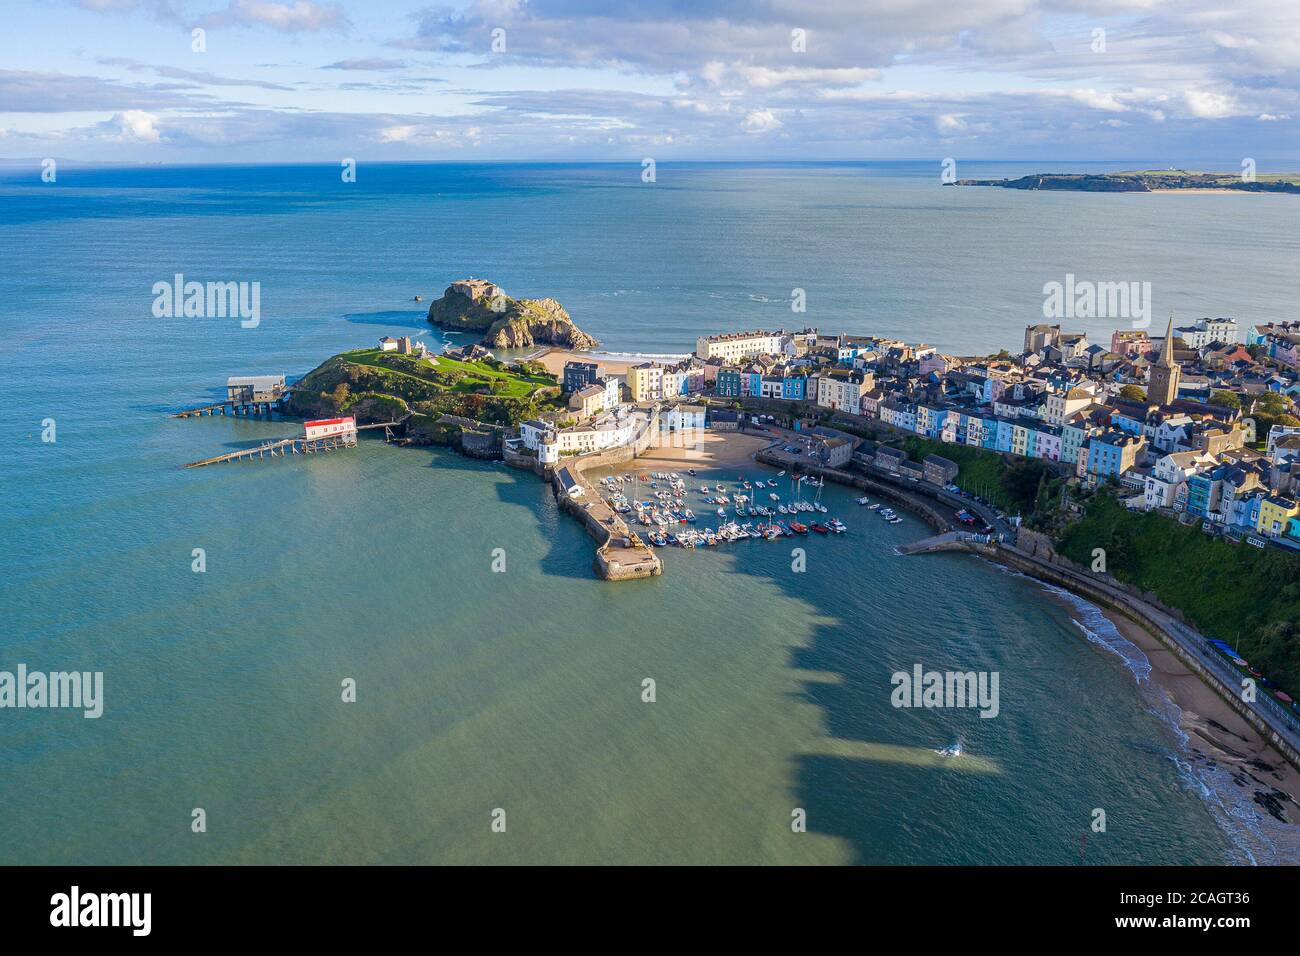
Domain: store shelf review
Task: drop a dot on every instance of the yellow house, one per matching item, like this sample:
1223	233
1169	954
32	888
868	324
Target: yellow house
1019	440
645	381
1274	513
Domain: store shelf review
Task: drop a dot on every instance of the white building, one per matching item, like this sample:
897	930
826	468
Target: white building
737	346
610	430
1060	406
1171	471
1200	334
331	428
842	391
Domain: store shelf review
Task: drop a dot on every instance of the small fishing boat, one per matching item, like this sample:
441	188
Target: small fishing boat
798	528
819	527
837	526
773	496
864	500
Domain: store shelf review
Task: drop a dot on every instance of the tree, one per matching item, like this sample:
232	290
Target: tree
1290	421
1132	393
1225	399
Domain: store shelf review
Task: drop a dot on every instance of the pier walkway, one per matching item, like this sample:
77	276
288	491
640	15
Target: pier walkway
241	409
294	446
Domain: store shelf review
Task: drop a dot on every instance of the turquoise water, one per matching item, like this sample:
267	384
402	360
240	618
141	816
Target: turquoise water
522	690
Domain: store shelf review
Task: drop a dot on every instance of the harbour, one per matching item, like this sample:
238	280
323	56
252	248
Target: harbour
521	689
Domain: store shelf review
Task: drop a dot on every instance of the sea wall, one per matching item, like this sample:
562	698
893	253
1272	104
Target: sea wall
1187	645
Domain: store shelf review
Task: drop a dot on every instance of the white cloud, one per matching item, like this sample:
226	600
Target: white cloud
397	134
1206	105
761	121
301	16
131	126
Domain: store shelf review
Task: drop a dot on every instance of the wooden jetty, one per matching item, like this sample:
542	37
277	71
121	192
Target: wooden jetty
297	446
245	409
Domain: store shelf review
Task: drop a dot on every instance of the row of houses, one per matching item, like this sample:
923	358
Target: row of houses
1145	418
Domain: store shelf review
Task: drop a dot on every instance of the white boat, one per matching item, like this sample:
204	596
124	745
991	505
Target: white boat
864	500
780	474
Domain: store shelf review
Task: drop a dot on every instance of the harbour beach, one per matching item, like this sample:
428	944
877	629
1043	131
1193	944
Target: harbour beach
710	449
608	363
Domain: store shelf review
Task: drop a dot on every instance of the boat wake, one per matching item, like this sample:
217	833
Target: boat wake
954	749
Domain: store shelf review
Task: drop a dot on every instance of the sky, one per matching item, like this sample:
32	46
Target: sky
212	81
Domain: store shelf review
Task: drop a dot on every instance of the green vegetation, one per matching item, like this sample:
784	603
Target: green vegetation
380	386
460	376
1012	484
1243	595
1147	180
1224	399
1132	393
1267	410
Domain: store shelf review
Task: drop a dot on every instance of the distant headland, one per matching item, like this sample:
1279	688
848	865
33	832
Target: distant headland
1147	181
477	305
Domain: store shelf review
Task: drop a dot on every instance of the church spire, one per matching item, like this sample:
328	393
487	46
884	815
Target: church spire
1167	347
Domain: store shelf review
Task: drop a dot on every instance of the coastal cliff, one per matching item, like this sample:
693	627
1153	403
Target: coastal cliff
476	305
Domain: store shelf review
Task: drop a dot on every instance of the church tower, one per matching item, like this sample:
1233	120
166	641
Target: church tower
1162	387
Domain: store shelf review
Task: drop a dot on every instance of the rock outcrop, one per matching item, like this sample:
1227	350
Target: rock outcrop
476	305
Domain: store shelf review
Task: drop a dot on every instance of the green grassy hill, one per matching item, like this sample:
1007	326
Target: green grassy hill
357	381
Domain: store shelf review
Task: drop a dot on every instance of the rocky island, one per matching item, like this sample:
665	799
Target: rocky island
477	305
1146	181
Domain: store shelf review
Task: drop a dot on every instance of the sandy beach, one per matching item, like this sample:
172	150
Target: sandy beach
1215	731
1209	192
729	450
554	360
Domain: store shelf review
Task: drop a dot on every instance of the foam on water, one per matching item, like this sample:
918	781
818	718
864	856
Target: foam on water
1256	837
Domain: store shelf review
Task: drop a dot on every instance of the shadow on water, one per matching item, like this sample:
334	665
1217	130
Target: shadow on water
569	551
883	795
415	320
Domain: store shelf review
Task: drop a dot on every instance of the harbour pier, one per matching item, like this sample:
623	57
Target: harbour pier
318	438
249	396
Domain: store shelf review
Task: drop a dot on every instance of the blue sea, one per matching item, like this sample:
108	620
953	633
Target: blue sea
520	691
